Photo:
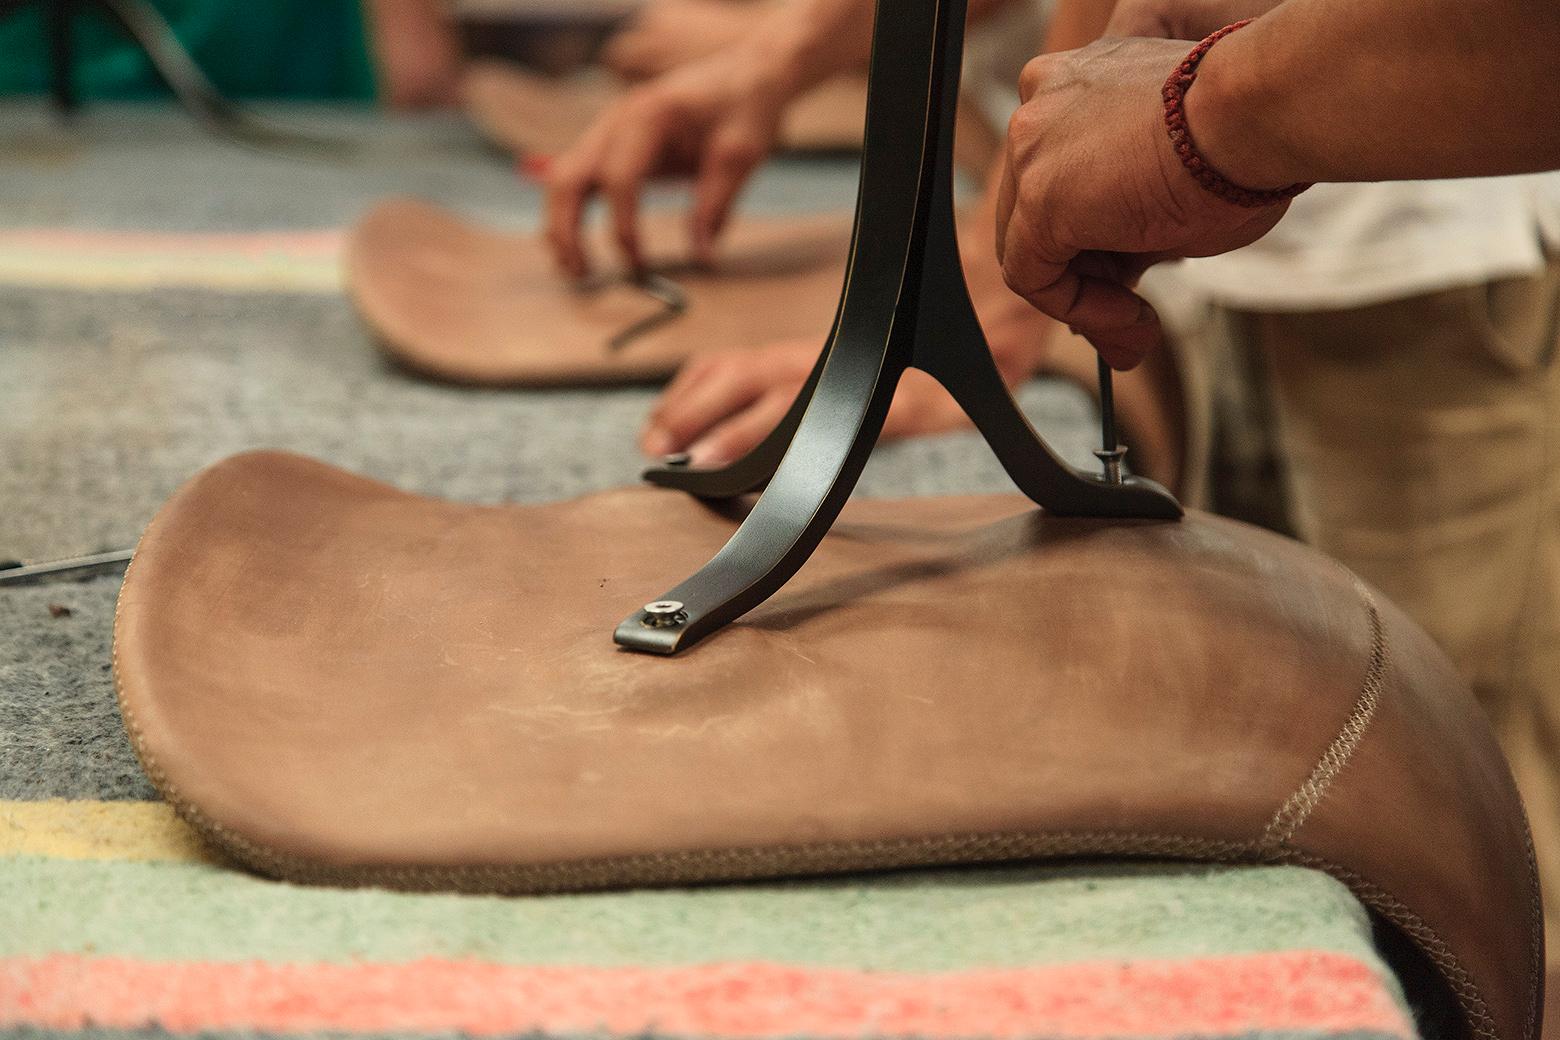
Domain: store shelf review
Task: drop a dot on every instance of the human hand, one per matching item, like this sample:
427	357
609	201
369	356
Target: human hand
667	34
721	404
1181	19
714	120
416	53
1093	193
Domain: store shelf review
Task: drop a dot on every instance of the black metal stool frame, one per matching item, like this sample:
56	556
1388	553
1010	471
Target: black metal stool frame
904	304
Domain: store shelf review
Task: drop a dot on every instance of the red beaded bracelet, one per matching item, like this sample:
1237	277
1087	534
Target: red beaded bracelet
1174	93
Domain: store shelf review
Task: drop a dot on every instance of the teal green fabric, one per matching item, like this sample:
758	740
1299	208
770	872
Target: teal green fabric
287	49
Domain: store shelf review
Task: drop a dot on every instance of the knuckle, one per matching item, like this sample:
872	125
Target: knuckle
1025	129
1036	72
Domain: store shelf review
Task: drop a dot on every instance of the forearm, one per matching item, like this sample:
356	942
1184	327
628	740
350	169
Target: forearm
809	41
804	43
416	51
1357	90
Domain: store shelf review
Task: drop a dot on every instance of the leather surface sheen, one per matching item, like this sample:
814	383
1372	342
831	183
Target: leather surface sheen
475	306
338	681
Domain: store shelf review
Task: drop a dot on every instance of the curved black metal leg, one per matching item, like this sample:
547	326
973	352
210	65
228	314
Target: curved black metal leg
755	469
856	377
1037	470
172	63
60	17
190	86
833	441
952	348
904	303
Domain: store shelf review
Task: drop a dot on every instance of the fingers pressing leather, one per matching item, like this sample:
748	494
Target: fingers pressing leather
712	392
740	434
569	185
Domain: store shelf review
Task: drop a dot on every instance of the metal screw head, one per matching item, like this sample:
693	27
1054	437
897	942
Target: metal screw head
1111	464
680	459
664	613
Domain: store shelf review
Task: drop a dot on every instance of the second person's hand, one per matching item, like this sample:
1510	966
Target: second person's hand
714	121
724	402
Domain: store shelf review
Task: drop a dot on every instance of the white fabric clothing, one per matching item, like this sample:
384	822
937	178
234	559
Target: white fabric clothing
1353	245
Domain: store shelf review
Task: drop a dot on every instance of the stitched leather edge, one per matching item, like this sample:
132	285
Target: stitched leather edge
1462	983
1298	807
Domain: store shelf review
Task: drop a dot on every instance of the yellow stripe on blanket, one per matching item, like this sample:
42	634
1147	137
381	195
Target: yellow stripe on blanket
125	831
288	261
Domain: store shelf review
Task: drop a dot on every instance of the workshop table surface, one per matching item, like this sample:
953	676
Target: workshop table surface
166	300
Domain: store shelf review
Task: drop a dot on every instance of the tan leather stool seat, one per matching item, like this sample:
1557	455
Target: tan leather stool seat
474	306
340	682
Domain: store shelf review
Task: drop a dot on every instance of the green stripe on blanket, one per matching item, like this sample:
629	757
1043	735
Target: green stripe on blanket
923	921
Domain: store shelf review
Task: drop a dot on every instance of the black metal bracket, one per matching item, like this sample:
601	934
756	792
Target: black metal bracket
174	66
905	304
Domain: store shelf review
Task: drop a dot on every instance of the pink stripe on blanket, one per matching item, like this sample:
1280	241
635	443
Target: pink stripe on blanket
1216	996
326	243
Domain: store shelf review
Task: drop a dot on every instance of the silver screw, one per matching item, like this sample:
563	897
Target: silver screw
664	613
1111	452
682	458
1110	461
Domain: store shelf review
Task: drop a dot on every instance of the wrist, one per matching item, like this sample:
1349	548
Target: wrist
1231	109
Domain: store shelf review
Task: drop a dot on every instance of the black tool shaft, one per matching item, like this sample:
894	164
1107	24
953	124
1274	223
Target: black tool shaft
1107	407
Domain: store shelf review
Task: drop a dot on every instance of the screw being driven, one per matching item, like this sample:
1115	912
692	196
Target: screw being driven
1111	452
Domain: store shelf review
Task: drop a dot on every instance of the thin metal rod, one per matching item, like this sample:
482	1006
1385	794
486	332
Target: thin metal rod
60	16
674	304
1109	441
50	568
1111	452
